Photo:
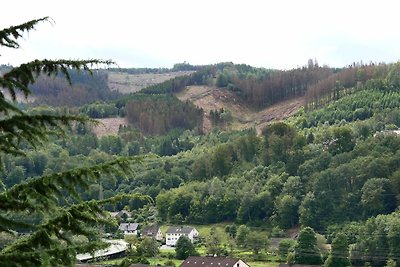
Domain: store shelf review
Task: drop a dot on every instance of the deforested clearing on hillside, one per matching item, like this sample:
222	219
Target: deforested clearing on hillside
211	98
109	126
130	83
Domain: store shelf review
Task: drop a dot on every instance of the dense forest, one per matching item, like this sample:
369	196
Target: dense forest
87	88
162	113
334	167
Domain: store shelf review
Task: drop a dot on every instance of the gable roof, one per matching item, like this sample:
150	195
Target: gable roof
150	230
120	213
128	226
179	230
209	262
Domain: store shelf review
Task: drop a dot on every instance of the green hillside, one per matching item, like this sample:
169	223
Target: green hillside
334	166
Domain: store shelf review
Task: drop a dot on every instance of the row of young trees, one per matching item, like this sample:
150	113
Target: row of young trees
178	84
162	113
345	81
278	85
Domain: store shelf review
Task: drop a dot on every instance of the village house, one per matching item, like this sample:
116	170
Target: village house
174	232
153	231
120	215
129	228
212	262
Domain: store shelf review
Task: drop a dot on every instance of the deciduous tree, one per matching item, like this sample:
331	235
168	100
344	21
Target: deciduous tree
306	250
339	255
184	248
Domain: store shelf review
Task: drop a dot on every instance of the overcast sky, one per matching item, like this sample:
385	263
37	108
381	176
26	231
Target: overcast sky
280	34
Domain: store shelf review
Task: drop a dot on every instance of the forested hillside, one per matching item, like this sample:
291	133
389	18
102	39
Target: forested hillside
87	88
334	166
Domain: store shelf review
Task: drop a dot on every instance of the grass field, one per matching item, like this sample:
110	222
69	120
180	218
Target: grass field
262	264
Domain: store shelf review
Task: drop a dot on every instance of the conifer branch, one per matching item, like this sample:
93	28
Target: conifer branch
41	194
33	129
73	220
9	35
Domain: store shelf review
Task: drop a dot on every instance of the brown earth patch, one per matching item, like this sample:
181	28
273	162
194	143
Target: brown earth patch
130	83
212	98
109	126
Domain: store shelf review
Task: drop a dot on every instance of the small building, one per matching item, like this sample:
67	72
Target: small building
122	214
174	232
129	228
213	262
153	231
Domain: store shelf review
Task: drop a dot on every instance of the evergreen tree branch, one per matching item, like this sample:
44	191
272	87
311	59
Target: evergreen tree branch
33	129
9	35
6	224
42	194
78	219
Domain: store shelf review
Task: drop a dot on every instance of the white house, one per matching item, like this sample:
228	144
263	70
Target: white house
174	232
213	262
129	228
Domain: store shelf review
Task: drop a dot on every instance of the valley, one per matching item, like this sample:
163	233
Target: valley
255	159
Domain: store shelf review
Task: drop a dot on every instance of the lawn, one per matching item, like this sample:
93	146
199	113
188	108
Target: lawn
262	264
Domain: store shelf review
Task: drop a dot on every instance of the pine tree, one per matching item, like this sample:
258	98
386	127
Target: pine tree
53	202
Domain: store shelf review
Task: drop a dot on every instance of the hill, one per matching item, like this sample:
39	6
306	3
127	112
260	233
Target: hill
334	166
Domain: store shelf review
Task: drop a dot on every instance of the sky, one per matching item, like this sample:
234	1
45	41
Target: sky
281	34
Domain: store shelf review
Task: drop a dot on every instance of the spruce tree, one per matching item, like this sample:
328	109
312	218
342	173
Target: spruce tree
52	201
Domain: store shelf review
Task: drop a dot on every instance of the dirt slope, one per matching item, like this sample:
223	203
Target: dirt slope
109	126
212	98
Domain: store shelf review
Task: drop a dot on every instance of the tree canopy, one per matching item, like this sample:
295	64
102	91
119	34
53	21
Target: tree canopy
184	248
